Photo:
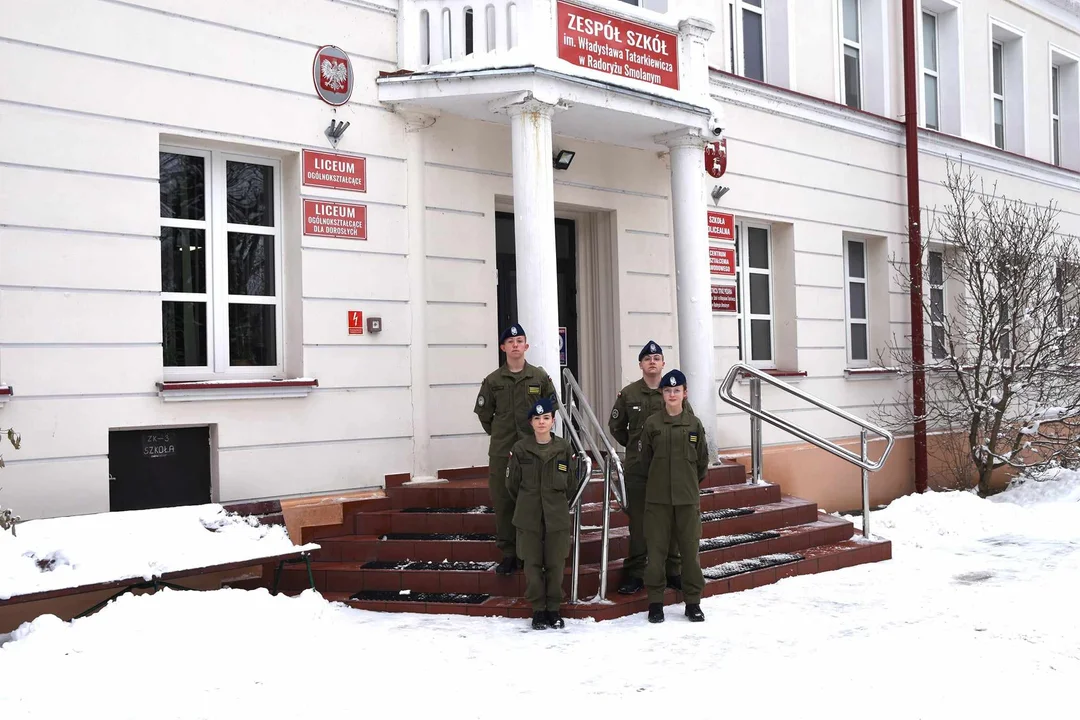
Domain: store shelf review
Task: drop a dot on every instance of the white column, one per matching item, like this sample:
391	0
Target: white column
417	268
692	284
534	232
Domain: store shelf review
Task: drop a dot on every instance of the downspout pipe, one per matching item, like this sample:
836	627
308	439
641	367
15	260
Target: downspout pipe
918	345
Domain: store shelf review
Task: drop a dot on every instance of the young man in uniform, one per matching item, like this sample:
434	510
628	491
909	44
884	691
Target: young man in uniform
633	406
542	480
503	408
674	449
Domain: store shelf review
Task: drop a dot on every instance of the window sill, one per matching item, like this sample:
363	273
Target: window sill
789	375
6	393
869	373
182	391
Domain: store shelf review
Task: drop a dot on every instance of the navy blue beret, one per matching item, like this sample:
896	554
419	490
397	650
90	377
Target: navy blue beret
673	378
651	348
514	330
541	406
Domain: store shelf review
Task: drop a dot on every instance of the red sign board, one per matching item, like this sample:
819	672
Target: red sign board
346	221
722	260
334	170
721	226
723	299
356	322
617	46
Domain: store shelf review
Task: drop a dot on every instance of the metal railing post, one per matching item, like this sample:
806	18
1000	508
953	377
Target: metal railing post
577	556
602	594
865	488
756	458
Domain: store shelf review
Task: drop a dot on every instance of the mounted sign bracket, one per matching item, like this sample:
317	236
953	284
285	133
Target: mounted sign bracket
335	130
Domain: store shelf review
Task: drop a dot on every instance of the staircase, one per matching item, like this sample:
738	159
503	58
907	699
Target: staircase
429	548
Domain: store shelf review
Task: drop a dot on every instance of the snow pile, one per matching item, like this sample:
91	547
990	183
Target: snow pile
72	551
974	617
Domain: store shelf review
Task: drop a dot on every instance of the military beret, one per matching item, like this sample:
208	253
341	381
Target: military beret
541	406
673	378
514	330
651	348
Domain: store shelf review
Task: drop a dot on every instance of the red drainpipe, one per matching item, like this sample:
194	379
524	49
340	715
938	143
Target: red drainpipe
911	130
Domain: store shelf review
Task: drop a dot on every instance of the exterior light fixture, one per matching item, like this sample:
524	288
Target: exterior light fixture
563	159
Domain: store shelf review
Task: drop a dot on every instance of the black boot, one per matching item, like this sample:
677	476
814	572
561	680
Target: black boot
656	612
540	620
507	566
631	586
675	582
693	612
555	620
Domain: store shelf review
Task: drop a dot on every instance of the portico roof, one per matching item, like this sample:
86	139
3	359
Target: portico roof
590	109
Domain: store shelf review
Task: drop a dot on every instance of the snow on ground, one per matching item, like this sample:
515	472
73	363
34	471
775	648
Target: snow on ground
974	617
144	544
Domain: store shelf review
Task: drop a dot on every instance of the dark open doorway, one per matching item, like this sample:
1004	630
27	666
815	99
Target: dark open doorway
566	272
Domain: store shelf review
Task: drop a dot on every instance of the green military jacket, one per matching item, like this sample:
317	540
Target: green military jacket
635	403
542	481
677	454
503	405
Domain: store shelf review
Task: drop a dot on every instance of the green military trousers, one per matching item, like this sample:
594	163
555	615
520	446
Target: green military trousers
634	564
503	505
683	523
544	555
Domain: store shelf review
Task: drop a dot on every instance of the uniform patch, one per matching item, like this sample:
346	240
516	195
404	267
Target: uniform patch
534	389
539	409
480	401
561	467
693	437
614	413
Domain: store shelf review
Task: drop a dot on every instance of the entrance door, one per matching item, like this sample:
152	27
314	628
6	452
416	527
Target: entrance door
159	468
566	273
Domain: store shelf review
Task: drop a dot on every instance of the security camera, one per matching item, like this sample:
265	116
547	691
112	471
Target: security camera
715	126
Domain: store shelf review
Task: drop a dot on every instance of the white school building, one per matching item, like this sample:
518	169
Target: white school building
259	249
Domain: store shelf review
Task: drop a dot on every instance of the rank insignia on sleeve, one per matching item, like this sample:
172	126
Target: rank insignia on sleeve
534	389
562	467
693	437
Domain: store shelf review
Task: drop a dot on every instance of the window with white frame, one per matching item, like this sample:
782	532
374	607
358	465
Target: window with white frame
858	316
935	275
851	69
221	285
753	286
1007	88
998	93
1055	114
753	39
1065	108
759	41
931	72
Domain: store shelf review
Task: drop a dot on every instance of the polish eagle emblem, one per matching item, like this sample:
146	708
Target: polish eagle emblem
335	74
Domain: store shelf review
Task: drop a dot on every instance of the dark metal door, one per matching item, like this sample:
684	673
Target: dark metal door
159	468
566	274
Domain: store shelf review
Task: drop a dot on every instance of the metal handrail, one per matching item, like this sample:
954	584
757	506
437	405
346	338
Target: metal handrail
576	410
757	416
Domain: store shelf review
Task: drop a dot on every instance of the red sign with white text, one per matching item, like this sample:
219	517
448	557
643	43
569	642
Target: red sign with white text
723	299
617	46
722	260
721	226
345	221
356	322
334	170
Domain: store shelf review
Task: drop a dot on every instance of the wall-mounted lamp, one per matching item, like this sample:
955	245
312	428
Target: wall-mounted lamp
335	131
563	158
718	192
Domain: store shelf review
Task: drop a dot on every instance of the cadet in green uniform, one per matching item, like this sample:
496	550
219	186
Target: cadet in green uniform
503	406
633	406
541	480
674	448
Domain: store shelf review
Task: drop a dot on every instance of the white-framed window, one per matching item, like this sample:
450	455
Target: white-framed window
1007	87
753	39
998	92
1055	113
753	286
931	72
759	40
857	301
1064	108
851	67
935	276
221	264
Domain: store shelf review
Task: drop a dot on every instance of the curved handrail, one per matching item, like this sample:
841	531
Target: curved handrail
823	443
607	446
